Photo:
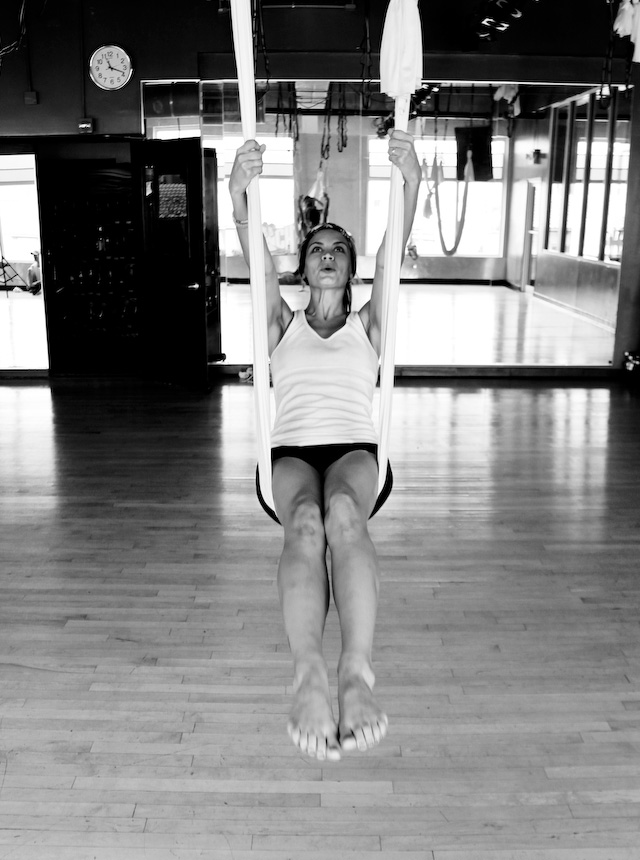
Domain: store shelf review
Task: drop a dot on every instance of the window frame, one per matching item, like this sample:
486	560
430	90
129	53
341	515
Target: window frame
563	163
379	171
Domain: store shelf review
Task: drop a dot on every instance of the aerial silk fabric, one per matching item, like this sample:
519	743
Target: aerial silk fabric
243	45
401	49
400	77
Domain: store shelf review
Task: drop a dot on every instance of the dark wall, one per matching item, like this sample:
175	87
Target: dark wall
192	38
62	35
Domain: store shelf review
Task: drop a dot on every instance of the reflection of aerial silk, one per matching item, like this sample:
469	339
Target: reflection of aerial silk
437	178
468	177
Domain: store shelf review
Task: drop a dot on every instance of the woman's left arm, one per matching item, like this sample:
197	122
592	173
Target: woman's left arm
401	153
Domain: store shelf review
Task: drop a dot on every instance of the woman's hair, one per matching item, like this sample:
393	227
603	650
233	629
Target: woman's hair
353	256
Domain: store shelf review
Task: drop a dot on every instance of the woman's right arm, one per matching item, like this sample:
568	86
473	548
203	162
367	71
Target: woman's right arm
246	166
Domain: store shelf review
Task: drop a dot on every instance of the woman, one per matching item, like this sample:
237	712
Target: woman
324	363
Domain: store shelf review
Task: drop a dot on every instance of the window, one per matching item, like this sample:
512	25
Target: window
589	173
276	193
618	191
482	231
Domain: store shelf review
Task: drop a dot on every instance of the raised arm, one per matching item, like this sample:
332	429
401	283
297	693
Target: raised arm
246	166
401	153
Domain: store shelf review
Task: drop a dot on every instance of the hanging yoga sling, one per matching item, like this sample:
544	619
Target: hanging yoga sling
400	76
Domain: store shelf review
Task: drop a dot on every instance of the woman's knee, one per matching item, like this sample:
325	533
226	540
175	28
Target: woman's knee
344	517
304	523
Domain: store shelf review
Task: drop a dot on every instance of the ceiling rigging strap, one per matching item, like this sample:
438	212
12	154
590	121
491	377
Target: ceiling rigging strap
342	117
242	39
365	62
280	113
294	129
325	143
259	40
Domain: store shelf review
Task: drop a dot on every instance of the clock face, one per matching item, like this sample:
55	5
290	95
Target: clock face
110	67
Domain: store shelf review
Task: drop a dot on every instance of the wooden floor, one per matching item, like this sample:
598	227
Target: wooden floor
144	674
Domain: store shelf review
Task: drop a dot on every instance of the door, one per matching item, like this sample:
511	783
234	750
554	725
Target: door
90	259
181	304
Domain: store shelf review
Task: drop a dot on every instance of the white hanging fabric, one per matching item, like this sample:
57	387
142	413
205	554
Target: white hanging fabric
243	45
401	75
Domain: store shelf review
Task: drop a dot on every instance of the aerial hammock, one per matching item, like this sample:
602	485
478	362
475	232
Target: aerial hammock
400	77
437	176
473	164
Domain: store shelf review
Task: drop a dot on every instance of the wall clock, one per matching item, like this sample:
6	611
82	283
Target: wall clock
110	67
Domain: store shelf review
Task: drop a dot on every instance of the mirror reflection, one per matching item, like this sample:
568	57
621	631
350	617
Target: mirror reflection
509	185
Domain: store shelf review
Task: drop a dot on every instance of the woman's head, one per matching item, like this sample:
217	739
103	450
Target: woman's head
326	253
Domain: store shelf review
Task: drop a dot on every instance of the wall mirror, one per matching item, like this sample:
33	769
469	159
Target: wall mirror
326	157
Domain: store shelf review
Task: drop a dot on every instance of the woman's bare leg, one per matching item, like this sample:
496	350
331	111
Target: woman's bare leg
350	492
304	595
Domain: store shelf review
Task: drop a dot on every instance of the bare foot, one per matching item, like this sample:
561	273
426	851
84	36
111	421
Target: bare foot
362	723
311	725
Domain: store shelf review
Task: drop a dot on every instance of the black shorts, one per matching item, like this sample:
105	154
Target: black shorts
320	457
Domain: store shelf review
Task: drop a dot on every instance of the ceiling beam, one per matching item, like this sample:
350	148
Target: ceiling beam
448	68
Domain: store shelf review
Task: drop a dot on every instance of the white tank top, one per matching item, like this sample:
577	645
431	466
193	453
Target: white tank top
324	387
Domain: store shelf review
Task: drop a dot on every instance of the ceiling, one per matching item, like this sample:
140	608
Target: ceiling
576	28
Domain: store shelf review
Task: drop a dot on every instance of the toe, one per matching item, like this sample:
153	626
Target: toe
368	737
333	753
379	729
294	734
362	739
312	745
356	739
348	741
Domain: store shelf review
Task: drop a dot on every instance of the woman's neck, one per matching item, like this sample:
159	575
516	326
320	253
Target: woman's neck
325	304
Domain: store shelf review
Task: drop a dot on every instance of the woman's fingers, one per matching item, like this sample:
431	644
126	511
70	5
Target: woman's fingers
247	164
251	158
400	146
402	153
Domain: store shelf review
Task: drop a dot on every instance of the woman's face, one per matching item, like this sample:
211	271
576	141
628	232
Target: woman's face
328	261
